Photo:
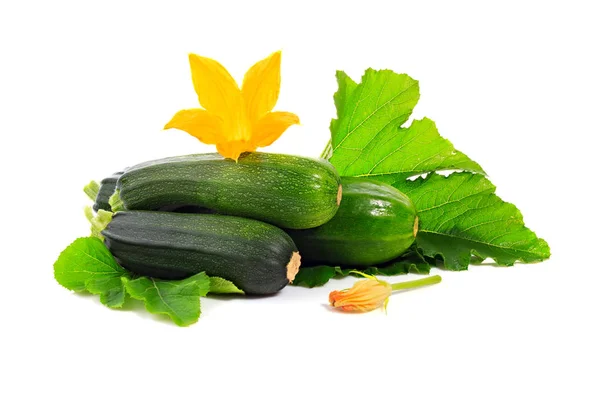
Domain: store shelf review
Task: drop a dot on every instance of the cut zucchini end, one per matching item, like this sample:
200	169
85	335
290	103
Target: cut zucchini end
339	195
293	266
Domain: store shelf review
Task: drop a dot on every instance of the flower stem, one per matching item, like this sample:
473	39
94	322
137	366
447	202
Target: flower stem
430	280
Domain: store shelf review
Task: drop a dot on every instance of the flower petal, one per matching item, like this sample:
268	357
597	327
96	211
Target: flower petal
217	91
271	126
260	88
233	149
199	123
221	96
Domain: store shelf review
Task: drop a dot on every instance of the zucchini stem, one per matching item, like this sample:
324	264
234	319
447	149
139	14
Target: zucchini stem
91	190
115	202
98	222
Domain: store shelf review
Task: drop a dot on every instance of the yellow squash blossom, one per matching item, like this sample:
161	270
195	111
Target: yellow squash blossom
372	293
236	120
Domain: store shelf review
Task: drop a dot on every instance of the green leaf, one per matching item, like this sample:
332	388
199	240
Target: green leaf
316	276
460	217
346	88
180	300
111	290
382	98
319	275
223	286
87	265
341	98
367	138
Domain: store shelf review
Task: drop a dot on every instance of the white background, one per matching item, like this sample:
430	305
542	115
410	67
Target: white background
85	88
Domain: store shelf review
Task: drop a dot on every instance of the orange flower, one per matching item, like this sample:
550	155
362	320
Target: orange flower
365	295
236	120
372	293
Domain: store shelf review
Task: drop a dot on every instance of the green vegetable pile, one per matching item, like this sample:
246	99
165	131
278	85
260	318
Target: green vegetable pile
167	232
461	218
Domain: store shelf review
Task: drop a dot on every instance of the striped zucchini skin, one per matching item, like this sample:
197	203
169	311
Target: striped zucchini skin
257	257
107	188
287	191
374	224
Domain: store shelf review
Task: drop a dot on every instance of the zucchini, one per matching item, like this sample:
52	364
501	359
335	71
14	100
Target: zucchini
374	224
107	188
257	257
187	209
287	191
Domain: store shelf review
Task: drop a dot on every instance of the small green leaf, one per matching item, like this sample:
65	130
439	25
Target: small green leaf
318	275
223	286
460	217
315	276
112	291
87	265
180	300
400	267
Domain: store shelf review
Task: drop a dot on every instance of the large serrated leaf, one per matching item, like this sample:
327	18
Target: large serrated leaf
460	216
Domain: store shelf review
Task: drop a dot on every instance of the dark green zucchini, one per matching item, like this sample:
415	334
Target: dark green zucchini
287	191
107	188
374	224
257	257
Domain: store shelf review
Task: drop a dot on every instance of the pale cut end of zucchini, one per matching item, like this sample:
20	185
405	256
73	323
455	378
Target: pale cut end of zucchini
339	195
293	266
416	226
